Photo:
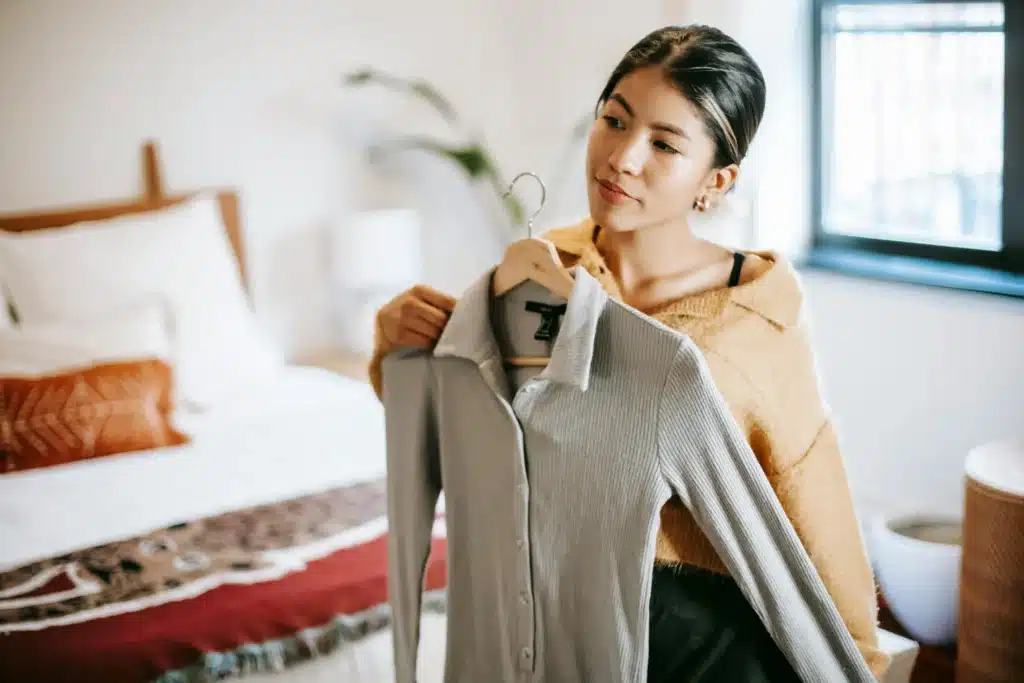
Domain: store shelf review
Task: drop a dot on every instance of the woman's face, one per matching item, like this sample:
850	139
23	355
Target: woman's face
649	155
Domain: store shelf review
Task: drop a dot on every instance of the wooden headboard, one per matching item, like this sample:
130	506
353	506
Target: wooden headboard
153	197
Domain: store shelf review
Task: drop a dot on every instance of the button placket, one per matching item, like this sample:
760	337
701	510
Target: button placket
522	404
526	625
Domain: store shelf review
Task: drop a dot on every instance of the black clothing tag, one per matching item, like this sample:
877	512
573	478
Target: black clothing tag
549	318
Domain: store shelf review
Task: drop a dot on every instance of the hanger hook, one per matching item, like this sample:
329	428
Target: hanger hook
543	197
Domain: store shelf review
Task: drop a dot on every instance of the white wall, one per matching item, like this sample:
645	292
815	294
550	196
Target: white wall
916	377
245	93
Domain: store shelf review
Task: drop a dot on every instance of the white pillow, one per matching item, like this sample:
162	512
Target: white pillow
135	333
180	255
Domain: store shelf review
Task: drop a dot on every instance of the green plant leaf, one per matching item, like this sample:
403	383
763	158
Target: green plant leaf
515	210
358	77
435	99
420	89
473	160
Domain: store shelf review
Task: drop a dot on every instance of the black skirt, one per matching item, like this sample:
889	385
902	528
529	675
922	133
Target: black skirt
703	630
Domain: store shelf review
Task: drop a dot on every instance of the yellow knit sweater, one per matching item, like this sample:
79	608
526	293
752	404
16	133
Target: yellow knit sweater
760	356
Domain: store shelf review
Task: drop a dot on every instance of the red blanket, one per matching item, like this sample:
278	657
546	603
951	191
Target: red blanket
259	587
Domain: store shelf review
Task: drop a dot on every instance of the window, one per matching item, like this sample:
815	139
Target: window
919	141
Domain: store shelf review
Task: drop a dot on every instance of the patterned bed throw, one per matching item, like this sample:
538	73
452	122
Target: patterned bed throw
187	560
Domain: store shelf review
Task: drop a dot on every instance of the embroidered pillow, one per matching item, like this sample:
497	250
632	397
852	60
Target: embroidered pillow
83	413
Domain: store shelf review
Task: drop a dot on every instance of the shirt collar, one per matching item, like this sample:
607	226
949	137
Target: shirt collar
468	333
775	295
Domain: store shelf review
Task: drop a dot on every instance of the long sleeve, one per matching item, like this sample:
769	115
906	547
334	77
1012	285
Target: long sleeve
413	488
815	493
709	464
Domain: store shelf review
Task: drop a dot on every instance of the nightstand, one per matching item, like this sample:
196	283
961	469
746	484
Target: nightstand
347	363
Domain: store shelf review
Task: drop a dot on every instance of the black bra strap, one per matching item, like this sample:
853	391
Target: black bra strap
737	266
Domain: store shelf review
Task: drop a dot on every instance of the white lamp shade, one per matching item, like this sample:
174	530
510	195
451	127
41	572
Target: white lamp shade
378	250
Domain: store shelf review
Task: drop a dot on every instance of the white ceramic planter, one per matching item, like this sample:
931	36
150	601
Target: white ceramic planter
919	578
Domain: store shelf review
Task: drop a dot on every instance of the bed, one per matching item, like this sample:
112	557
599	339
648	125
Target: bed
252	544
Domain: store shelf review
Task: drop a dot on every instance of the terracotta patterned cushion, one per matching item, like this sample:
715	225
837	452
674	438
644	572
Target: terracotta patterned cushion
85	413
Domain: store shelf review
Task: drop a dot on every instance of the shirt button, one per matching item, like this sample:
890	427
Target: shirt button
524	598
526	653
520	543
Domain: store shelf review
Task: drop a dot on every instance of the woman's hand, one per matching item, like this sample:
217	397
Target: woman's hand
416	317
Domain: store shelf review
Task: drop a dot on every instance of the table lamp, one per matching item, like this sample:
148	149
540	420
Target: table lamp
374	256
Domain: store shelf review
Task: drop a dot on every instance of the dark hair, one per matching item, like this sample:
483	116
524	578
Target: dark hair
713	72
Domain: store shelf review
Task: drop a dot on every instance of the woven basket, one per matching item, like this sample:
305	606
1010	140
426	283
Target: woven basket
990	633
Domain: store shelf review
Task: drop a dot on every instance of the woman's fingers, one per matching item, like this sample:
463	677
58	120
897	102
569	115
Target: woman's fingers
415	318
434	298
420	323
422	326
415	308
409	337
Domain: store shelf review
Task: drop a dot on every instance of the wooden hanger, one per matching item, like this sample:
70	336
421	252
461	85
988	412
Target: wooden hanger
531	258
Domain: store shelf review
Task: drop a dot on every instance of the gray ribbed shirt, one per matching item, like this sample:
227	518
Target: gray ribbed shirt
553	491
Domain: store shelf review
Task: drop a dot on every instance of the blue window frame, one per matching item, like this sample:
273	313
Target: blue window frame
918	150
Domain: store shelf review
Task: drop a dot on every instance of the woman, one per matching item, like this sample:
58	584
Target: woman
676	119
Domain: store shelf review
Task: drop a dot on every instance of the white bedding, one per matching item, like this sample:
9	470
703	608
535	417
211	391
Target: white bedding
304	431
